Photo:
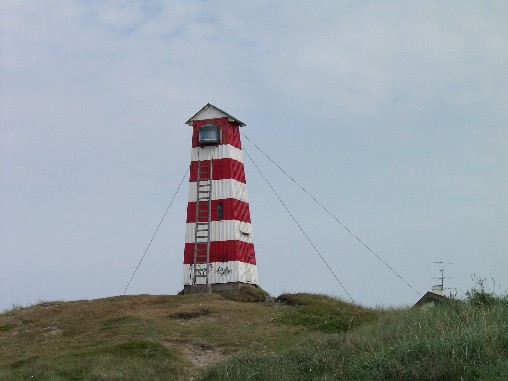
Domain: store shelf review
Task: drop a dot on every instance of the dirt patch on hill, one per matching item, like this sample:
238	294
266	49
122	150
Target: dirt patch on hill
193	314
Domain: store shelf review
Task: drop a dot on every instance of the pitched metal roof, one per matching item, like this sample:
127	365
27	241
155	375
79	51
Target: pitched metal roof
209	106
430	297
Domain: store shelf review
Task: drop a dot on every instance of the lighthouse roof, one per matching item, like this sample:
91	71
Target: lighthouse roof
211	112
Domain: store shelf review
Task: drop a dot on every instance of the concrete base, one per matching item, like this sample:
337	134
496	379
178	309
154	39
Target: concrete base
197	289
219	288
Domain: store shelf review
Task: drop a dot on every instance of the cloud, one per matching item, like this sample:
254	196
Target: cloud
399	108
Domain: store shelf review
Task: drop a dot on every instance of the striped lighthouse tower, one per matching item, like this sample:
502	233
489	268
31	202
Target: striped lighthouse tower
219	251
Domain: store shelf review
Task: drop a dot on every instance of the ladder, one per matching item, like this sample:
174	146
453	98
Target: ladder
203	222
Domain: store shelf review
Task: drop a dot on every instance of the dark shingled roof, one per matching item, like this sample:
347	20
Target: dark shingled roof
430	297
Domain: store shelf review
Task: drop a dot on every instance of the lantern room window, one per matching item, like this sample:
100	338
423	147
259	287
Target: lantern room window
209	134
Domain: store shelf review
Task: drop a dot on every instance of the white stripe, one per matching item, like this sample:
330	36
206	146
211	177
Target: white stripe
222	189
222	151
229	230
224	272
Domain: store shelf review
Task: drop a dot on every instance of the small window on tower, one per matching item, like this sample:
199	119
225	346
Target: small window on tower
209	134
220	210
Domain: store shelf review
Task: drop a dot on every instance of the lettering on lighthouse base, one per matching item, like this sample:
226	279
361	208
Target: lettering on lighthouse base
224	272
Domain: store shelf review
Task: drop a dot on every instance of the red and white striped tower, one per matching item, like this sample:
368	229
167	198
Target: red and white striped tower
219	251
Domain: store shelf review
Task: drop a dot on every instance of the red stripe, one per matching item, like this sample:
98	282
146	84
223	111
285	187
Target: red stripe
232	208
221	169
224	251
229	130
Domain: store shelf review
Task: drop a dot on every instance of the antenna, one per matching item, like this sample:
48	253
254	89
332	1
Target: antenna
439	288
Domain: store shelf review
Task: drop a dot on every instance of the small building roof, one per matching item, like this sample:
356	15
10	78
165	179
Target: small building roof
430	297
211	112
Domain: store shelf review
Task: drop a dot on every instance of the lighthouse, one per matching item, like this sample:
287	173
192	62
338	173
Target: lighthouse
219	250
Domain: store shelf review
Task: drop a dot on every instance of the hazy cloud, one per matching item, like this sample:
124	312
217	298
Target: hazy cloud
394	115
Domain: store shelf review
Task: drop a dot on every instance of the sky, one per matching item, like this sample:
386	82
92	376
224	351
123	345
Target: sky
392	114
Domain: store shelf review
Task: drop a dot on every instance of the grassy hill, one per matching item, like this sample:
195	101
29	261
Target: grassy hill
208	337
149	337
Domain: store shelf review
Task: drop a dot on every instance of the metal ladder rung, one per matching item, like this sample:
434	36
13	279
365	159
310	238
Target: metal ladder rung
203	211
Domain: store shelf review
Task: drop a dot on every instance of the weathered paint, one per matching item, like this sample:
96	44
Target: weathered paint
222	169
222	189
222	151
228	230
222	251
232	209
224	272
230	134
232	255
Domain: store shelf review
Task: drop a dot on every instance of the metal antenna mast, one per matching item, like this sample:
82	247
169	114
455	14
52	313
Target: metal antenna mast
440	288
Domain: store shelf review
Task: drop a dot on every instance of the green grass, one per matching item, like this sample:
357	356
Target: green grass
322	313
453	341
143	337
250	294
296	337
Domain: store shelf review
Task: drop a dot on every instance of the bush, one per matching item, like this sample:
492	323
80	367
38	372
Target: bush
247	293
479	296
